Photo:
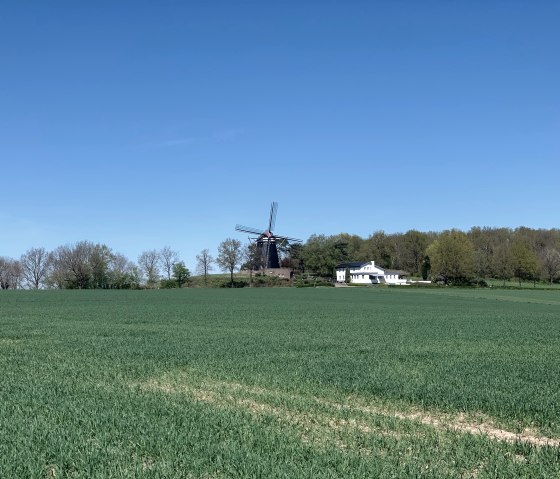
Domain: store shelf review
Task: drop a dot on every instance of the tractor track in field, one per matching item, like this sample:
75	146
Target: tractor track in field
282	405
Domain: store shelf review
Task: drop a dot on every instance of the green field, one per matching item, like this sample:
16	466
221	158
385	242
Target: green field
326	382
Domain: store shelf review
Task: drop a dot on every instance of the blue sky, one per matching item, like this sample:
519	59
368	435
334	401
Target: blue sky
144	124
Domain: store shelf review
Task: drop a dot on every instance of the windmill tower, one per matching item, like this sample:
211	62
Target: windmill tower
267	242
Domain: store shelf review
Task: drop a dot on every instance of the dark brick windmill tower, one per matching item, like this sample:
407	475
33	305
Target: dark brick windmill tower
267	241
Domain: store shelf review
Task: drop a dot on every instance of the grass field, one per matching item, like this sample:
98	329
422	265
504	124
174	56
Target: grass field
333	382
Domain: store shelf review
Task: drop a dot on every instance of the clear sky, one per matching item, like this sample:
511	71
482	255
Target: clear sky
143	124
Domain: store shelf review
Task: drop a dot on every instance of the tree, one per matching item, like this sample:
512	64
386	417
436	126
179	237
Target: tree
123	274
253	260
180	273
100	259
426	268
452	257
204	262
58	274
10	273
34	266
414	245
482	240
72	266
168	258
294	257
380	248
502	262
551	264
322	253
148	262
229	256
525	263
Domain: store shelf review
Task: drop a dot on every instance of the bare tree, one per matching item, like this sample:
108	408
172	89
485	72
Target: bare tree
149	265
34	266
551	264
58	274
123	273
230	256
168	258
10	273
72	265
100	259
204	262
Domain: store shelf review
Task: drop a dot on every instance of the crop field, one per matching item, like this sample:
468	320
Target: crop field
286	382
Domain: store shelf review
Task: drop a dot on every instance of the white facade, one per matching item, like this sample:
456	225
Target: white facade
368	273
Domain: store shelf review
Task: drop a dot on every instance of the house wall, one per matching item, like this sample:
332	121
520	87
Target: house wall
368	274
364	278
340	275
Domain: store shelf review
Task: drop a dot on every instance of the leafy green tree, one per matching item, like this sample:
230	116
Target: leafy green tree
502	262
482	240
525	263
230	256
426	268
294	257
322	253
181	274
452	257
380	248
414	245
350	245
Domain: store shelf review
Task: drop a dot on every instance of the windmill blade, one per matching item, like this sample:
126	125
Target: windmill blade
272	220
289	239
248	229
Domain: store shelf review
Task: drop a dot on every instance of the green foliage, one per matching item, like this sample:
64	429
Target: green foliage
345	382
426	268
502	262
379	248
525	264
168	284
322	253
452	257
306	281
413	251
181	274
240	283
268	281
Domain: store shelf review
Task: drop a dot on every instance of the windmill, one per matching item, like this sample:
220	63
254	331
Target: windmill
267	241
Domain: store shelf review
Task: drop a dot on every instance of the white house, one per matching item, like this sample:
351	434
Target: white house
368	273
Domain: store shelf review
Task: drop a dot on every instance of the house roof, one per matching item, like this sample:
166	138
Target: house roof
355	264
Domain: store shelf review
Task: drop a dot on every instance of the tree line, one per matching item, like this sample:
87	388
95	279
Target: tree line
86	265
451	256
